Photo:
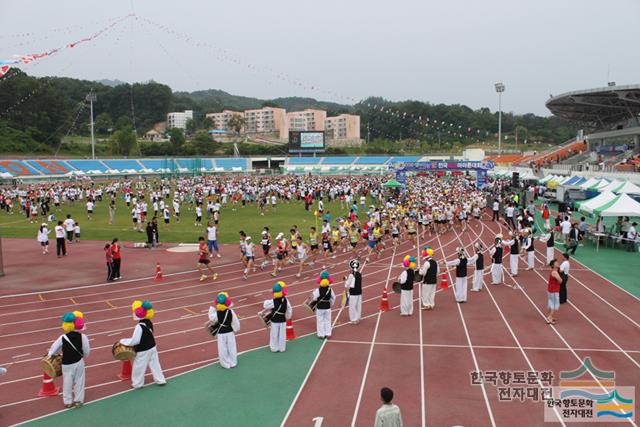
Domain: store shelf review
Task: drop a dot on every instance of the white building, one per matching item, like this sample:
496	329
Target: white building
179	120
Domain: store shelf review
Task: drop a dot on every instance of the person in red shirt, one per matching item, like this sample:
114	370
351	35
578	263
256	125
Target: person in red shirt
115	250
553	292
203	260
109	258
546	215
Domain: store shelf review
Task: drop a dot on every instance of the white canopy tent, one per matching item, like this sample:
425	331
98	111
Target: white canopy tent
621	205
589	183
598	201
628	188
612	186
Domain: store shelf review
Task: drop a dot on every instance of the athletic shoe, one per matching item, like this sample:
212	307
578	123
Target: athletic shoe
218	255
215	276
203	277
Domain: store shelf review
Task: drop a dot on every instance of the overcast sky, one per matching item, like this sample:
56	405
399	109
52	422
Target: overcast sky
440	51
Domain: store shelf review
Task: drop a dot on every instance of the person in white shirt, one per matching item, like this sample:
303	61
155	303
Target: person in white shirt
429	273
198	222
273	202
144	344
325	298
565	227
69	225
223	315
90	206
43	237
61	247
212	240
176	210
632	236
353	285
281	311
75	347
388	415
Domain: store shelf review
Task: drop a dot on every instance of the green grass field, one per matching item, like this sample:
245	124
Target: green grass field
247	219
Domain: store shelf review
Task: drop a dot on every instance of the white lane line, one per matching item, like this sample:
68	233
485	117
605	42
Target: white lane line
471	350
422	394
553	327
114	333
373	340
513	335
21	355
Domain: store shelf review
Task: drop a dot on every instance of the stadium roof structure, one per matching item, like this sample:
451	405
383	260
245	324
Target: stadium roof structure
598	108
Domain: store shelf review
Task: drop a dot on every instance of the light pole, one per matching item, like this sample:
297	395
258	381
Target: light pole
91	97
500	88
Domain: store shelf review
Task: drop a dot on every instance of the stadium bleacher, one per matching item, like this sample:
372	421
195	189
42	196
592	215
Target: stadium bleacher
231	164
50	167
347	160
372	160
305	160
88	165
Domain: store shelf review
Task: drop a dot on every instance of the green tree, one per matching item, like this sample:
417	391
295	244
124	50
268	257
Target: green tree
123	142
208	123
191	127
124	122
203	143
176	137
103	123
236	123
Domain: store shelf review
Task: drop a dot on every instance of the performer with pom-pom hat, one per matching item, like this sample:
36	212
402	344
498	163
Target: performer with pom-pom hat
75	347
429	272
229	325
478	258
144	344
406	285
353	285
496	261
460	263
281	311
325	298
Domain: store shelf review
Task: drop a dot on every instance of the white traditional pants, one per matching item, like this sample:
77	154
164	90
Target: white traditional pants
461	289
496	274
531	259
406	302
278	337
513	264
323	322
550	254
429	295
227	350
477	280
73	383
143	359
355	308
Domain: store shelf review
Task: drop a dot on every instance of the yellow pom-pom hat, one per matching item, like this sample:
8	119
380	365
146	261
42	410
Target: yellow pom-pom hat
142	309
72	321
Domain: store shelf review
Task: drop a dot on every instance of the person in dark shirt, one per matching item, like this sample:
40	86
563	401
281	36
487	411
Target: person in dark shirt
144	344
75	347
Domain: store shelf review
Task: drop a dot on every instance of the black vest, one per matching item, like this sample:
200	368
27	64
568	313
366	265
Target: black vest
147	341
461	269
357	287
225	325
324	300
497	255
515	247
69	355
408	285
431	278
480	262
550	241
531	248
279	310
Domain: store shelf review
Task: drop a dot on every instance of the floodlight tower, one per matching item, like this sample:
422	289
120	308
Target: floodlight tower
500	88
91	97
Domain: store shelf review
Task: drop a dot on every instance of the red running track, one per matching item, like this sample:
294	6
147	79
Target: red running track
426	358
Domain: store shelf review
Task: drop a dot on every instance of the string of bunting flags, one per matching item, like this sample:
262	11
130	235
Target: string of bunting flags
7	64
458	130
448	128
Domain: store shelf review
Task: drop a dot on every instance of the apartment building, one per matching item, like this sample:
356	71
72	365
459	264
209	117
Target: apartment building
221	120
344	126
267	120
308	119
179	119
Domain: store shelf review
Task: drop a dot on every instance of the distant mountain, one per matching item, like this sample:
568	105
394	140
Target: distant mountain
111	83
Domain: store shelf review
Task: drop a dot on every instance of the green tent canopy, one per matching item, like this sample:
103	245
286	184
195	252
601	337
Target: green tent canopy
392	183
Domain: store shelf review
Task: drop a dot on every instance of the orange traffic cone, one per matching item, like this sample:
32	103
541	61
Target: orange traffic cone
444	284
48	387
125	372
291	335
158	272
384	302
